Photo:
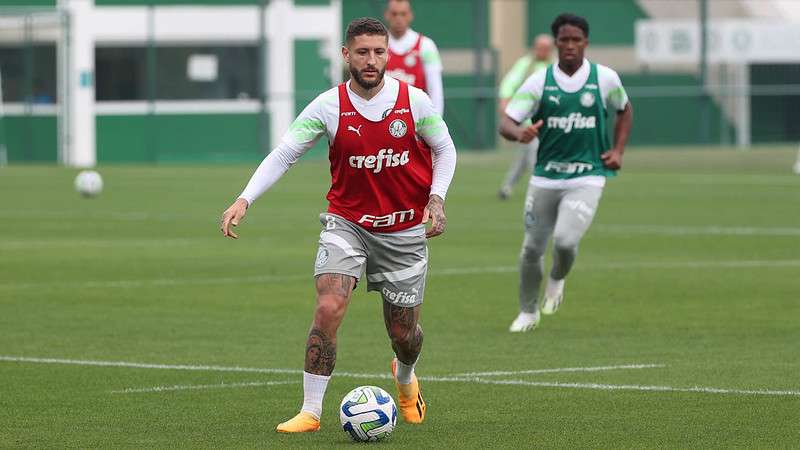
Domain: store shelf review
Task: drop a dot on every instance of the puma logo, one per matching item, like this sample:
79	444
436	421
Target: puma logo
355	130
555	99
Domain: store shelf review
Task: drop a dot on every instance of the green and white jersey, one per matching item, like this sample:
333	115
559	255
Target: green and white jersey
574	133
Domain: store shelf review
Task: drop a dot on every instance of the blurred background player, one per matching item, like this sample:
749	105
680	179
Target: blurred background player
539	58
392	160
567	103
796	167
413	58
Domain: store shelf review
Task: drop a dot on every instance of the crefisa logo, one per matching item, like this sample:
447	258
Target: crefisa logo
398	128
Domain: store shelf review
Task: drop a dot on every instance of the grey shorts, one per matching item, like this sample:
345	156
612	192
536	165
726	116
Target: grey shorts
395	263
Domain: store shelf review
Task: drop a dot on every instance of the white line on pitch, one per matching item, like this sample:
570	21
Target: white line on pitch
453	271
633	387
459	379
201	368
713	230
187	387
565	369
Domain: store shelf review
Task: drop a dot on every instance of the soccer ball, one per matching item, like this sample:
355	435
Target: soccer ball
368	413
89	183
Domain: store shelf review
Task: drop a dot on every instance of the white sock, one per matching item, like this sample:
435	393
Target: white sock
405	372
554	287
313	391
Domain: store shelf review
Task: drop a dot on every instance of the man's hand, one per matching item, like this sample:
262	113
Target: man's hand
612	159
232	216
530	132
434	211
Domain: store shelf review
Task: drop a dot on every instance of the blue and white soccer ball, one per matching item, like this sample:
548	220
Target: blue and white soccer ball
89	183
368	413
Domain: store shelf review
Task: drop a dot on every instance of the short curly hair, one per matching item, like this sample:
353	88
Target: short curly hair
569	19
364	25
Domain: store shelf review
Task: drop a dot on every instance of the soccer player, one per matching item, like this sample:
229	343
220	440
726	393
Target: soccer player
796	167
538	59
413	58
567	103
392	160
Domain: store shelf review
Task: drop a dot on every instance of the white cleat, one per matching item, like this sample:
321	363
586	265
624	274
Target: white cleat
524	322
553	296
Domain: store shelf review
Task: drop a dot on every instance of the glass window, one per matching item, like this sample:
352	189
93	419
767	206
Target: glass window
182	73
236	73
29	73
120	73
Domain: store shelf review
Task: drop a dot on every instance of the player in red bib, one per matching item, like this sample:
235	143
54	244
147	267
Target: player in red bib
413	58
392	160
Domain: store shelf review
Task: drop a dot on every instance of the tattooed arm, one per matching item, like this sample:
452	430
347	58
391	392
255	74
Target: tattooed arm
434	211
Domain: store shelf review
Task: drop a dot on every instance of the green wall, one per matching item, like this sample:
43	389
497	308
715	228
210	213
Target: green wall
178	138
310	80
30	138
448	22
668	120
610	21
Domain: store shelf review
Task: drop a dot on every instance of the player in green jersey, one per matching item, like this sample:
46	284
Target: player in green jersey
538	59
568	105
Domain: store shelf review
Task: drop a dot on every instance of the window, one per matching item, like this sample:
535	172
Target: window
29	73
122	72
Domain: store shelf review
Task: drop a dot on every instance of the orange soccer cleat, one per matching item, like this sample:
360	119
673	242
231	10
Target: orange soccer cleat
303	422
412	405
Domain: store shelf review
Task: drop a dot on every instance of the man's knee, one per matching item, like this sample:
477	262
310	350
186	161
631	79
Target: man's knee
330	308
566	243
532	250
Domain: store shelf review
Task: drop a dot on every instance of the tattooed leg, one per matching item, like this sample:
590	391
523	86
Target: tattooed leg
333	295
404	331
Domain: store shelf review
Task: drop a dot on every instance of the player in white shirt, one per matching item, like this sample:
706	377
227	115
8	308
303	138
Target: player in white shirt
413	58
362	119
320	118
568	105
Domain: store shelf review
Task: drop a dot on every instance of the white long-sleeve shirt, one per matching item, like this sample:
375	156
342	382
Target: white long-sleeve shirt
431	63
321	117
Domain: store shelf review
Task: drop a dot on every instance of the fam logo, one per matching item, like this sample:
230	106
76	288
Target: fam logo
398	128
411	59
348	113
388	219
587	99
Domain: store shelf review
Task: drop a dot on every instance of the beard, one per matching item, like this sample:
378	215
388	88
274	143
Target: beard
356	75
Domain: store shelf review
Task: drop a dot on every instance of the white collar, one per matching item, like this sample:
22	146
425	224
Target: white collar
404	42
582	71
575	82
387	81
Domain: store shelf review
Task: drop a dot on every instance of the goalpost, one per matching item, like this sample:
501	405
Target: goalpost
33	94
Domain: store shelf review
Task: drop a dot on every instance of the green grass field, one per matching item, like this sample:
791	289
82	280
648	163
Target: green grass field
691	269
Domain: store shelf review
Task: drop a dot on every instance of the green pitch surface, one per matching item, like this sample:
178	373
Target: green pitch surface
128	321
